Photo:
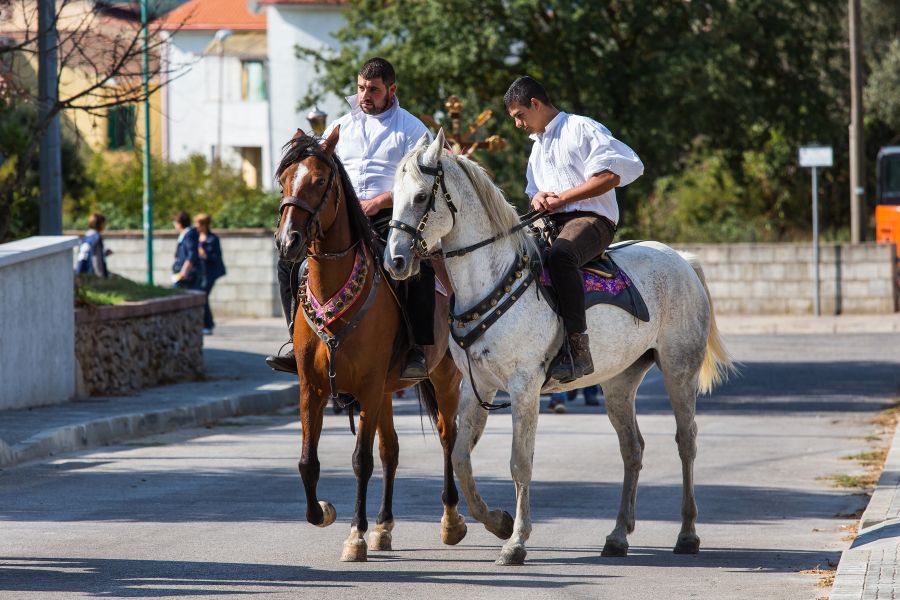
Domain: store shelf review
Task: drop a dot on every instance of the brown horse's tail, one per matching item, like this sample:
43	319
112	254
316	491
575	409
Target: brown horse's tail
428	398
717	362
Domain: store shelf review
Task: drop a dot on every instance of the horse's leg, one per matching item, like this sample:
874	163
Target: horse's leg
380	538
683	396
472	419
619	393
525	408
446	378
363	465
319	513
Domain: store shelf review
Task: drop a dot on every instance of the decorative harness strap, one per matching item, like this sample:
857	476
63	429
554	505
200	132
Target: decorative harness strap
489	311
324	314
332	341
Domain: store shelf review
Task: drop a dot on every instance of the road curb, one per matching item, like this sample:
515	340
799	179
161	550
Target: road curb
99	432
885	502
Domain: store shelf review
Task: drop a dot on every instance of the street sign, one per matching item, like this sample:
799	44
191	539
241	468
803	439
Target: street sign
816	156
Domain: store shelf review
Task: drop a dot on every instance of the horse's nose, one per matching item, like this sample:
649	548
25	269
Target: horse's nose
399	263
294	239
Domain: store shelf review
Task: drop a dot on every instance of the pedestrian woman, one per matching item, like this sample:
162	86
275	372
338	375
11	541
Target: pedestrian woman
210	251
91	254
186	270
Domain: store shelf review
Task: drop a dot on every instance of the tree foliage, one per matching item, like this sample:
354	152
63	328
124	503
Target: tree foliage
683	83
193	185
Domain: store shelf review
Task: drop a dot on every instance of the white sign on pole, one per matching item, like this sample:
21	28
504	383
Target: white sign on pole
816	156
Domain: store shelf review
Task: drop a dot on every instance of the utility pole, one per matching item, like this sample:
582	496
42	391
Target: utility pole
148	187
50	160
857	147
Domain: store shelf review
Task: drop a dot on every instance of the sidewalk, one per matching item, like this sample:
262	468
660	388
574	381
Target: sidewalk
240	383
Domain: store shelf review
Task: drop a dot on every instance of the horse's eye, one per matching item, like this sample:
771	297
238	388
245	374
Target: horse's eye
320	182
419	198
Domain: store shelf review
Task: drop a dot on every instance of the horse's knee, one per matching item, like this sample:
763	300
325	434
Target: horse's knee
460	460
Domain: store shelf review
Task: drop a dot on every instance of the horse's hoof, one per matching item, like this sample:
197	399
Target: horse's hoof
354	551
614	549
513	555
380	540
505	528
688	543
328	514
453	534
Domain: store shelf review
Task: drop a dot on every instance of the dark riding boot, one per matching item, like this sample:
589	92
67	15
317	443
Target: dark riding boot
415	367
574	359
285	362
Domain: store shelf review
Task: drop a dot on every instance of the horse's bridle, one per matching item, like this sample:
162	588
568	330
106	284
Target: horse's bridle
314	212
418	244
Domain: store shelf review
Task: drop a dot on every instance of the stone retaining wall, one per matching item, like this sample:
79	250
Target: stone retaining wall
780	278
743	278
121	349
250	289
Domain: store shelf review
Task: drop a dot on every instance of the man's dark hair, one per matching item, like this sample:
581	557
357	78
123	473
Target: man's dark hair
523	90
378	68
183	219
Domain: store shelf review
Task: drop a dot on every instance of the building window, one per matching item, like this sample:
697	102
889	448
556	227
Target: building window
253	81
120	122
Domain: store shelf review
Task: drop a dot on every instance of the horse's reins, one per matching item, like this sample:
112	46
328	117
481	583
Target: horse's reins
491	308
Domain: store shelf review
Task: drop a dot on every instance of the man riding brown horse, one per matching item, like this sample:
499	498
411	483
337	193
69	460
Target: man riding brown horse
374	136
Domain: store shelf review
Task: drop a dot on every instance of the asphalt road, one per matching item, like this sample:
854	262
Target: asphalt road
219	512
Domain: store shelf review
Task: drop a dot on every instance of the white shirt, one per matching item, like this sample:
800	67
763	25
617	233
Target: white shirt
570	151
371	146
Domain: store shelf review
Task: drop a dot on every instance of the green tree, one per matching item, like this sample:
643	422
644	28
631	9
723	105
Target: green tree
670	78
193	185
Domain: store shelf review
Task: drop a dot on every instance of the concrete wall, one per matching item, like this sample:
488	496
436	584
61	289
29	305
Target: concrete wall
250	289
780	278
37	322
742	278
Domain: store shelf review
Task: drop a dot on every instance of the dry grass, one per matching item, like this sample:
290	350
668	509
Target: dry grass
826	576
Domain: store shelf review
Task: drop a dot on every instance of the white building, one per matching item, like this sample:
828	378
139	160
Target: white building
242	81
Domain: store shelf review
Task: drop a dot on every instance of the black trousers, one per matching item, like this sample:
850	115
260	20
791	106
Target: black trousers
416	294
582	237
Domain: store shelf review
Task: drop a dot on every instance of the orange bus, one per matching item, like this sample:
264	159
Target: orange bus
887	210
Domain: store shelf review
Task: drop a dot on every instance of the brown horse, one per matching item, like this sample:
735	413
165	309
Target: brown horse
322	221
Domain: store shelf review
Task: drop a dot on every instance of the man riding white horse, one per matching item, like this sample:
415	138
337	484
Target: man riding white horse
574	168
374	136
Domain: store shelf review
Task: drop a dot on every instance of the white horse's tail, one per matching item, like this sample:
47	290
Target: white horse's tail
717	363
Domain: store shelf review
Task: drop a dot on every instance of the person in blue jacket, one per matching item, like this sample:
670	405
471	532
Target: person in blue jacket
91	254
187	270
210	250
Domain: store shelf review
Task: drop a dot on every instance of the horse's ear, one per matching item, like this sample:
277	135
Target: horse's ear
433	154
331	141
298	135
422	143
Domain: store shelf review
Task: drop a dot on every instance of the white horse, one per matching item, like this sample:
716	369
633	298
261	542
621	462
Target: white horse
514	352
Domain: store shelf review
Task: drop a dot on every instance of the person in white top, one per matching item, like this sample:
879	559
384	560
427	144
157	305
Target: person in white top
374	136
574	168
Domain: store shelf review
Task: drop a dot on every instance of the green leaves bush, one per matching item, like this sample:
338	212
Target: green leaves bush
193	185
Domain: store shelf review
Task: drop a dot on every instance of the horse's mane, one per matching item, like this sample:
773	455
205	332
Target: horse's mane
360	227
501	215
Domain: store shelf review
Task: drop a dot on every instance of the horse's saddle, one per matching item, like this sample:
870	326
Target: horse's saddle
605	283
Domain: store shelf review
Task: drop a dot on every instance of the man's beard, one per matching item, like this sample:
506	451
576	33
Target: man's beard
376	110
